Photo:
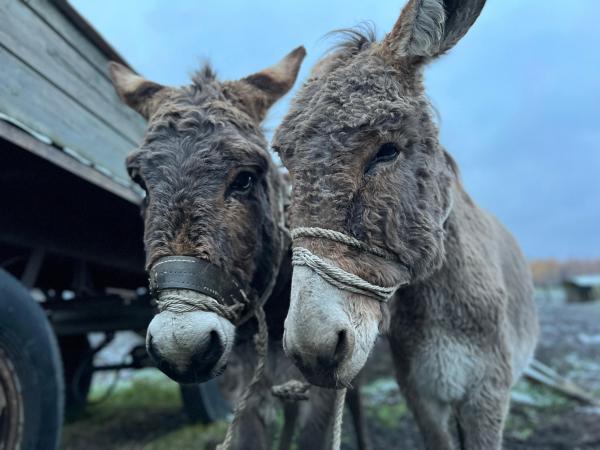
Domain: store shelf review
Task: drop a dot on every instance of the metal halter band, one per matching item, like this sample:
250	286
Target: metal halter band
336	275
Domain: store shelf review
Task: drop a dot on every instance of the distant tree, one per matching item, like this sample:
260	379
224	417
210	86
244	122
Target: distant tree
548	272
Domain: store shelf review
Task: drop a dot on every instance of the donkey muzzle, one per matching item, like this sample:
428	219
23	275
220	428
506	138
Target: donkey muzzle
191	337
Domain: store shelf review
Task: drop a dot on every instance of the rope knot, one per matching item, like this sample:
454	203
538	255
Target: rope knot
291	391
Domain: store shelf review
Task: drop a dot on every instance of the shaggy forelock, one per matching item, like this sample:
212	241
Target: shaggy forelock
199	109
352	41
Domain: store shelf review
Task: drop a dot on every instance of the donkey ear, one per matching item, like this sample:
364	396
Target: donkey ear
272	83
428	28
135	91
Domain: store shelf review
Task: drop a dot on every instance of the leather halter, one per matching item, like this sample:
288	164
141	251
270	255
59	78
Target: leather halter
199	275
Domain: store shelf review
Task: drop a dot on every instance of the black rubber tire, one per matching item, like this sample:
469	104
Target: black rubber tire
30	350
204	402
78	369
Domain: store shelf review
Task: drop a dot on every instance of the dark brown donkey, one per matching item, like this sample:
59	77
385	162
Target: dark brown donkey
214	203
362	148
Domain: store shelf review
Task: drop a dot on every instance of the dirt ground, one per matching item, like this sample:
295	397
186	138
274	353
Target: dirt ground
147	415
569	343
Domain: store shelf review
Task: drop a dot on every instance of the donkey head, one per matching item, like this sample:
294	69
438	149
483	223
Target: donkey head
212	193
362	149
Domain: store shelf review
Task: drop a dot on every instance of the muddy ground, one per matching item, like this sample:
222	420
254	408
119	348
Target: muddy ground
569	343
147	415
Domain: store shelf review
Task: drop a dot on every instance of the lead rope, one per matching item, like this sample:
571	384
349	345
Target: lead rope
175	302
343	280
340	397
261	344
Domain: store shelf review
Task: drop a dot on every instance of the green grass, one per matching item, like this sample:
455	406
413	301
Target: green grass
142	414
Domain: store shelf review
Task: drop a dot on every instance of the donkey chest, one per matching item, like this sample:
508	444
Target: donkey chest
444	367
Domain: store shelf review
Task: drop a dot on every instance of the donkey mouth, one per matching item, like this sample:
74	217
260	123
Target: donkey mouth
324	374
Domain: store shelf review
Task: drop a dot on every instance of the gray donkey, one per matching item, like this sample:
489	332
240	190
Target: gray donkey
378	213
214	201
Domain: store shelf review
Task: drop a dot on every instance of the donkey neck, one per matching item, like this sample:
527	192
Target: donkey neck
444	292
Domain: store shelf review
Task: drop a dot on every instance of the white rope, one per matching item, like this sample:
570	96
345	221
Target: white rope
340	397
339	277
336	236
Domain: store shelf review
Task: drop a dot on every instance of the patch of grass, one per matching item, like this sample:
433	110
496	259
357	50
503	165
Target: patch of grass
389	415
144	413
384	403
139	394
541	396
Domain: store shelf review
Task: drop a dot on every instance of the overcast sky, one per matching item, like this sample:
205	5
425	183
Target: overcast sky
519	96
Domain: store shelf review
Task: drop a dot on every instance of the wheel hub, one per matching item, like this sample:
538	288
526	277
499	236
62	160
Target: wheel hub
11	405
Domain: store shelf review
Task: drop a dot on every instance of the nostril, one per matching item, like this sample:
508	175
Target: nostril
212	351
342	347
150	347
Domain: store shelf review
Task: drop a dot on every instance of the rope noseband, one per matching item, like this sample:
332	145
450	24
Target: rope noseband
335	275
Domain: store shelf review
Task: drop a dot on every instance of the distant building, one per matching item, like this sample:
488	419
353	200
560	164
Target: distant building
583	288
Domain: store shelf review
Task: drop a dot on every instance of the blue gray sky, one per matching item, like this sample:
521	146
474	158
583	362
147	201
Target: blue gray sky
518	97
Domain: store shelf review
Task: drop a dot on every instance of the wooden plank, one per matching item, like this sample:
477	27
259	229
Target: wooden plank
30	99
70	33
25	35
541	374
88	31
54	155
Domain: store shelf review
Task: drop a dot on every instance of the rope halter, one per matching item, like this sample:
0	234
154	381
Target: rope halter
341	279
335	275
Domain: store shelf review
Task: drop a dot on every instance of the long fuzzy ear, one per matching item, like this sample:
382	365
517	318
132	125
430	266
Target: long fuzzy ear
259	91
135	91
428	28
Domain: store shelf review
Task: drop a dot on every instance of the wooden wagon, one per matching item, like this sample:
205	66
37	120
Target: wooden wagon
70	228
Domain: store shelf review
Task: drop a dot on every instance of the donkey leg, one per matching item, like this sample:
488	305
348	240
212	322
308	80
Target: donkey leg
358	418
481	417
290	416
251	432
432	417
315	433
431	414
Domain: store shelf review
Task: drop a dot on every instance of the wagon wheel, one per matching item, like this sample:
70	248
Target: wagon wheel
31	385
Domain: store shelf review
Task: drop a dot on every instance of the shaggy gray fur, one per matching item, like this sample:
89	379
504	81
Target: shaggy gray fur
465	328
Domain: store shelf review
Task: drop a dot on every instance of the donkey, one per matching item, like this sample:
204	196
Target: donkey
377	199
214	200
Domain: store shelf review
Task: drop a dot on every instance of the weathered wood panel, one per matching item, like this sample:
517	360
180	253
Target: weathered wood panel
23	33
56	20
35	101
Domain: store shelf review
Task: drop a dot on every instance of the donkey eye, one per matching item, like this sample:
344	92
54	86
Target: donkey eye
243	182
137	179
387	152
